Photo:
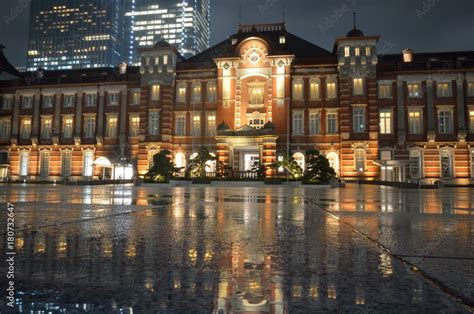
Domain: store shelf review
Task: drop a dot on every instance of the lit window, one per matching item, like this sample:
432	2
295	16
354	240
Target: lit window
360	160
298	126
446	164
91	100
347	51
7	101
358	86
300	160
256	120
470	89
25	128
66	157
48	101
27	102
314	90
471	121
196	96
414	90
88	164
89	127
415	164
181	94
315	123
46	127
113	99
445	120
357	51
67	127
331	90
359	119
155	93
211	123
385	121
135	98
368	51
385	91
44	163
331	123
407	56
180	128
211	92
154	123
134	130
255	95
111	128
415	125
298	90
196	126
443	89
5	128
282	40
69	101
24	161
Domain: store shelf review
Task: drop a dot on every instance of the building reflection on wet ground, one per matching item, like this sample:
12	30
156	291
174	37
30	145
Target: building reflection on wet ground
268	250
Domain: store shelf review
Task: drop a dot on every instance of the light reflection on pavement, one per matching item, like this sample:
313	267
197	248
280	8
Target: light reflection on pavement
153	249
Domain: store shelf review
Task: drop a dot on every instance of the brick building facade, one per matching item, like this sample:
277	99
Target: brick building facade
255	96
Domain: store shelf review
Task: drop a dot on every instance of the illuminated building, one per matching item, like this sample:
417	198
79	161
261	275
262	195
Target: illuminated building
255	96
183	24
72	34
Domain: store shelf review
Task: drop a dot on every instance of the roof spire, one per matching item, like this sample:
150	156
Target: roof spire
354	19
283	10
240	14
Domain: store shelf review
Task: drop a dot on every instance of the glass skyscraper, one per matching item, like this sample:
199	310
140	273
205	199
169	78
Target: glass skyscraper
185	24
70	34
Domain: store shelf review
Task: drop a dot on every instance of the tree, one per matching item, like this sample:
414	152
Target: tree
197	165
162	169
260	169
222	170
290	165
318	169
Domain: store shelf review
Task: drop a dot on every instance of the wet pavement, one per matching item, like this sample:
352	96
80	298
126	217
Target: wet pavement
123	249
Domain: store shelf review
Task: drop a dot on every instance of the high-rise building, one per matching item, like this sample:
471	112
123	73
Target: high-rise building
185	24
69	34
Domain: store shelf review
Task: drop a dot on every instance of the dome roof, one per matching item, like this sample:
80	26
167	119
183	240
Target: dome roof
162	44
355	33
223	127
269	126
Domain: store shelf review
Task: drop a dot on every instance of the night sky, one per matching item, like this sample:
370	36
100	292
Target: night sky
423	25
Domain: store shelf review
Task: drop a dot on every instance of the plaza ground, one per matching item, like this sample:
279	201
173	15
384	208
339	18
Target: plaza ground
156	249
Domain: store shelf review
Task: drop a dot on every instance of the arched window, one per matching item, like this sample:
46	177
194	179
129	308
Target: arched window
299	158
180	160
416	164
257	120
446	163
359	156
333	159
211	91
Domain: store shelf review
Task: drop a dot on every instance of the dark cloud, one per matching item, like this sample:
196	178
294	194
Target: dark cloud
423	25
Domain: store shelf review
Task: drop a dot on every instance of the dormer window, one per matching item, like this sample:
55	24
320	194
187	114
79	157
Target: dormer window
282	40
407	55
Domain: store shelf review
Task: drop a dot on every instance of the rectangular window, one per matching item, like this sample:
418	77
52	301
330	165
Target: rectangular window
331	123
69	101
27	102
414	90
357	51
135	98
154	123
44	164
25	129
181	94
446	164
211	124
471	121
298	90
24	160
66	163
385	91
331	90
88	164
470	89
256	95
180	126
196	93
445	120
443	89
68	127
415	125
211	93
298	126
7	102
314	90
196	126
113	99
315	123
368	51
360	160
134	130
89	127
46	127
5	128
3	158
347	51
91	100
359	119
385	121
48	101
415	164
358	85
111	129
155	92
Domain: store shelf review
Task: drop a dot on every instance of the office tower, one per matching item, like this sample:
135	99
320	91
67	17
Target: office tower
69	34
185	24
